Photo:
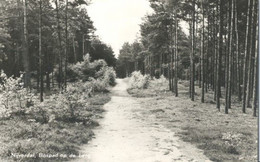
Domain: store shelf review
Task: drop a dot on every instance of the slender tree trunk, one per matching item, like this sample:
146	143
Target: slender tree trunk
172	72
60	48
48	84
74	49
256	72
192	71
245	70
227	58
170	58
66	45
202	56
52	79
228	103
238	67
200	67
26	62
215	53
40	52
38	75
250	61
176	54
220	54
253	49
206	61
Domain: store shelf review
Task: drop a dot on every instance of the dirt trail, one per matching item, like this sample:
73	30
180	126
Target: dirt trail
125	135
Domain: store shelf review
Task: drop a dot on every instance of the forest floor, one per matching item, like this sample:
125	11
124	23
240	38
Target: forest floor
132	132
222	137
25	140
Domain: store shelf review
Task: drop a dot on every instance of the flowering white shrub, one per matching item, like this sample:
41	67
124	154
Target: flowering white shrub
137	80
14	98
160	83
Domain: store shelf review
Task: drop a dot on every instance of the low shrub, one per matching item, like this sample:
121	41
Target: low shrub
137	80
69	105
160	83
14	98
89	71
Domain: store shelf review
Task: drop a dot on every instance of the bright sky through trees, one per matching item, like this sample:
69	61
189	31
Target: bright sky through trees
117	21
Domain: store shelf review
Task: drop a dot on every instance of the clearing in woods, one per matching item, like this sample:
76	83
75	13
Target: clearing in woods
128	134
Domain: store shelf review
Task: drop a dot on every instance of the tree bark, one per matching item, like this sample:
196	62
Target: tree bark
215	50
40	52
220	53
246	58
26	61
256	72
202	57
228	101
238	67
176	55
74	50
66	45
60	48
250	60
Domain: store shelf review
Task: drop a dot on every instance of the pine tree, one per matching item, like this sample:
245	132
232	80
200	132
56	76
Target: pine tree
245	69
202	54
26	63
220	48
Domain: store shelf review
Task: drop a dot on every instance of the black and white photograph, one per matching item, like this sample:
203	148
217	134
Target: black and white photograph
129	81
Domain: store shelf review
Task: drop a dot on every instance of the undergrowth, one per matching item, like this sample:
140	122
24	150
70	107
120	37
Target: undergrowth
222	137
59	124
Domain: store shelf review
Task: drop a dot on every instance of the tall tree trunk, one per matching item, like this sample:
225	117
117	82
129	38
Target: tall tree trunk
227	56
238	67
202	56
250	61
170	57
256	73
206	61
200	67
176	55
245	69
192	72
220	54
228	89
26	61
215	31
66	45
60	48
40	52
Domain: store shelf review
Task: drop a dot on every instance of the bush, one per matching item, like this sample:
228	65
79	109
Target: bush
138	80
87	70
14	98
160	84
67	106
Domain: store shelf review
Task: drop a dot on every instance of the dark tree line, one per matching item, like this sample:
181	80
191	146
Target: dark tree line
219	53
42	37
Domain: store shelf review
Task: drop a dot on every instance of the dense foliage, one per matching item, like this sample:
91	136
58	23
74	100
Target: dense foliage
67	105
43	36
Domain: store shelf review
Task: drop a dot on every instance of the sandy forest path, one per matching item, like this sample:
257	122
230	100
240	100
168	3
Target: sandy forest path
125	135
